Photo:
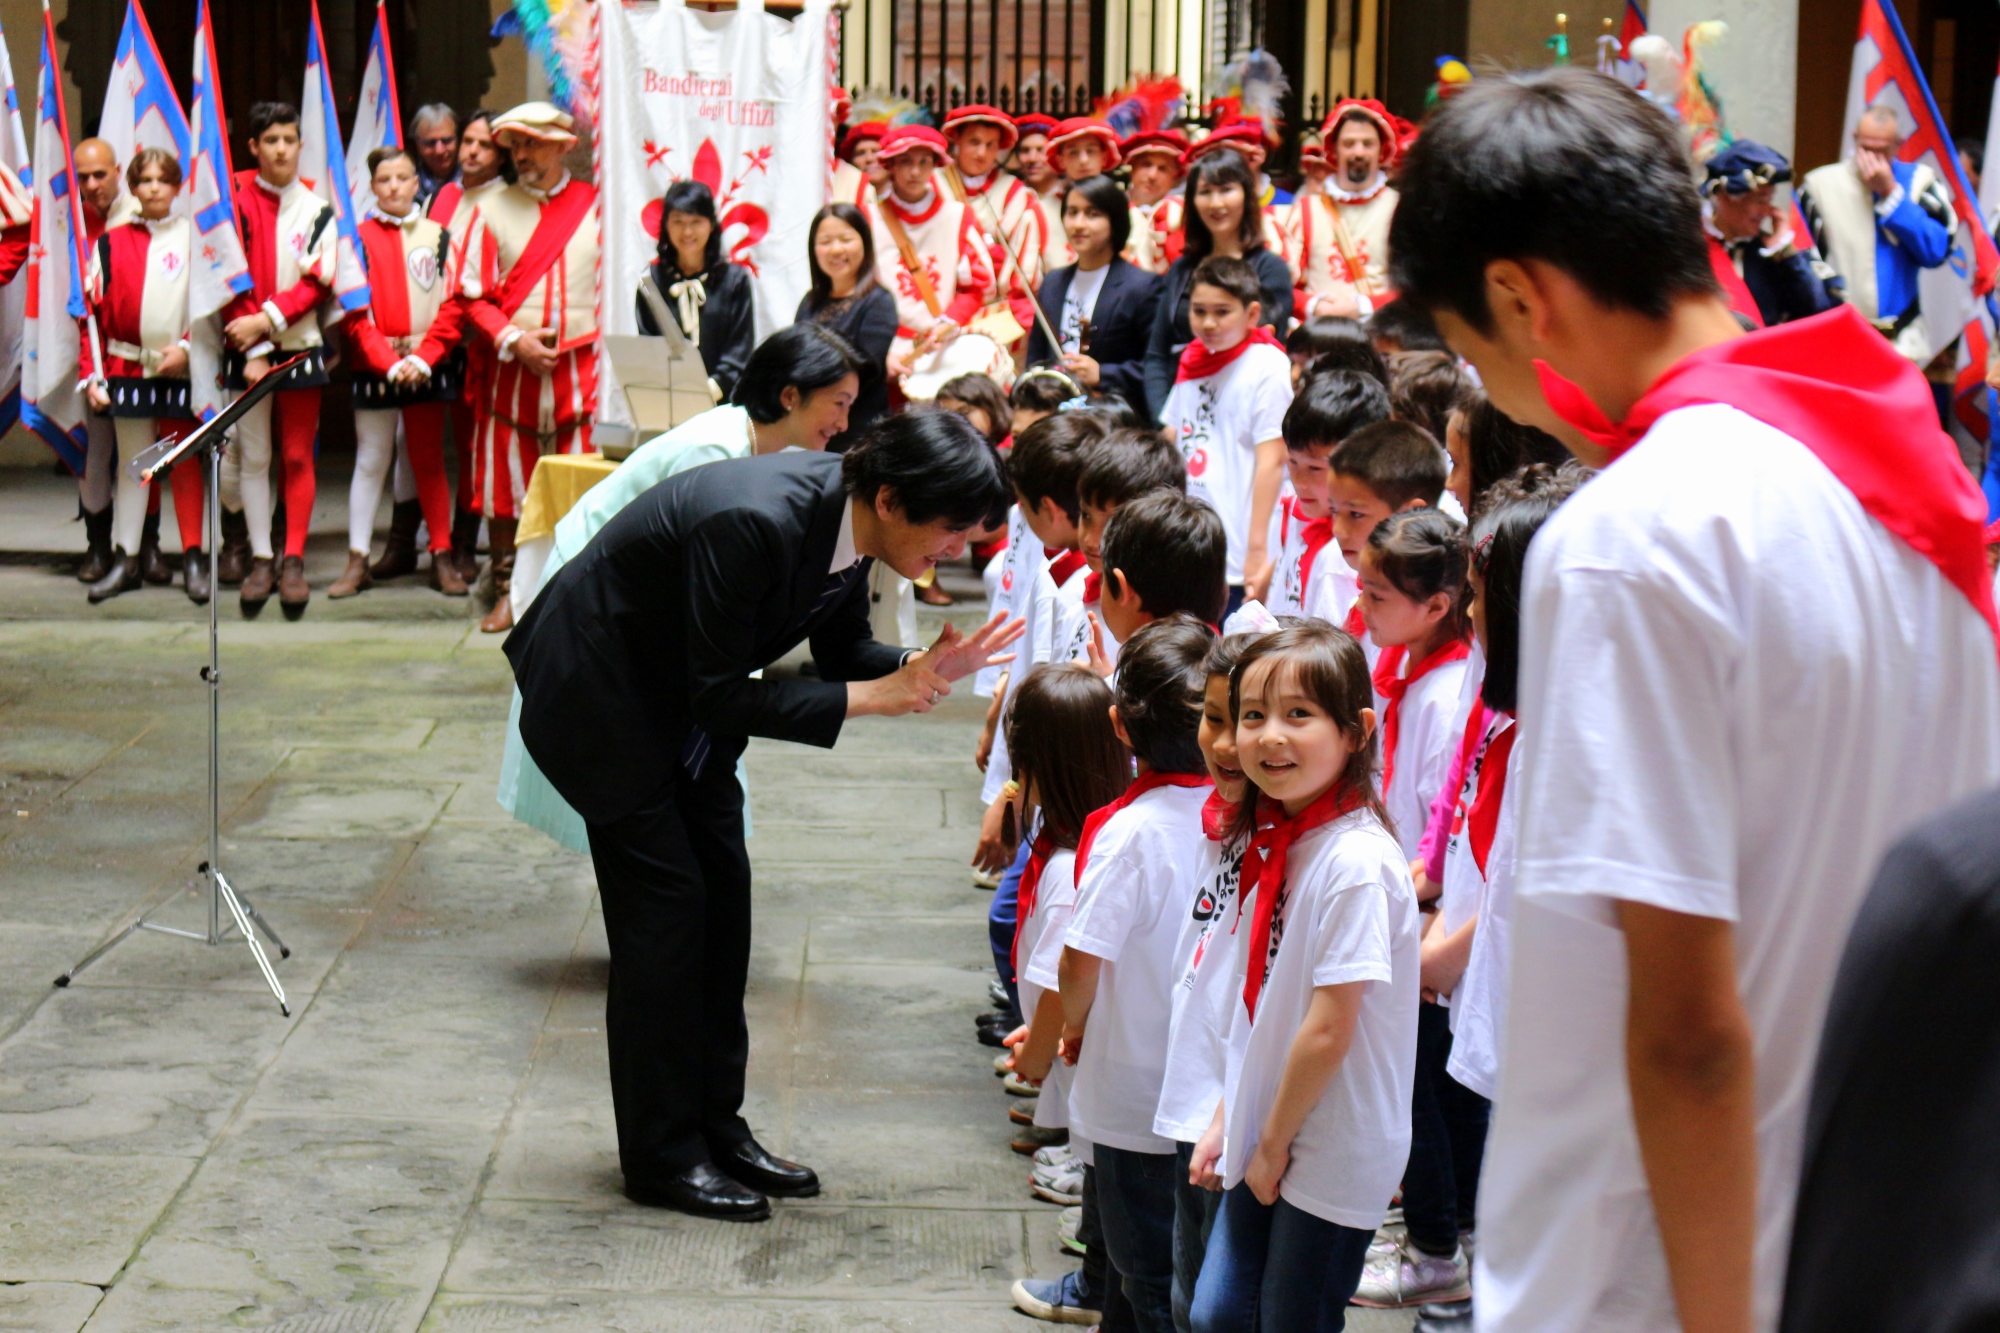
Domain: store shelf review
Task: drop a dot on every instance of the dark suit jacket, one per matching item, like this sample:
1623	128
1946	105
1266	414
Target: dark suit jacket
1120	325
655	627
728	319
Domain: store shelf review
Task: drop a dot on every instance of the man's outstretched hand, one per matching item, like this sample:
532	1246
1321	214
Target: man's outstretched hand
956	656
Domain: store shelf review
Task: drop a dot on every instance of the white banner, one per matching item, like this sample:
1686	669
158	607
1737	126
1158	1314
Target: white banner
737	100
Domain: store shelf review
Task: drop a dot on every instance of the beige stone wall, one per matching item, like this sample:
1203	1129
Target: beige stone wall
510	68
1509	34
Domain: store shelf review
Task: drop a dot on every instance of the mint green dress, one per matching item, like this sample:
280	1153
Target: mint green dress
720	433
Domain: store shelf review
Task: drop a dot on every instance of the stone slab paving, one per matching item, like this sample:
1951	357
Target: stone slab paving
427	1143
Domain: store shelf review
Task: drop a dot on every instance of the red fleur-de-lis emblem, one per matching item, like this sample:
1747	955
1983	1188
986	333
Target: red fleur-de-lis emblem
757	161
656	155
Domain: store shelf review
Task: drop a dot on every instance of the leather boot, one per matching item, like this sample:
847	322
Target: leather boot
500	537
445	577
465	544
123	576
234	561
293	592
97	551
258	580
399	556
153	566
194	573
355	578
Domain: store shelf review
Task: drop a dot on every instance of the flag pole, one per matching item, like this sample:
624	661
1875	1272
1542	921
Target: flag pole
389	75
76	255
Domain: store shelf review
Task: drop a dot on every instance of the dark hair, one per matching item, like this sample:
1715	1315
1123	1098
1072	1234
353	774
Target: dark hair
1497	446
484	117
1102	193
1114	410
1975	153
1426	387
1328	665
695	198
1160	684
1228	274
983	392
1225	651
1127	464
1059	737
1422	553
169	165
1224	166
1331	407
1172	552
936	463
1341	344
1519	506
263	115
388	152
821	296
1396	460
1047	458
1561	165
1406	324
807	357
1044	389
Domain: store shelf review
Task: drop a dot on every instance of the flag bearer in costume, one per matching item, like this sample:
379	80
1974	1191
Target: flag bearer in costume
856	176
1764	275
929	250
1154	193
980	136
288	238
1881	222
530	282
403	369
139	286
97	185
1339	245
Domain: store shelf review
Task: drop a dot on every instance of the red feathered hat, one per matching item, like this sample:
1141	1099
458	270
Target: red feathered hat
862	133
1375	113
976	113
907	138
1083	127
1170	142
1035	123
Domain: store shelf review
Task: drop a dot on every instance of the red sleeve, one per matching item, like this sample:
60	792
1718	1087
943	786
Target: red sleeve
241	304
487	318
371	348
299	298
444	333
480	310
13	252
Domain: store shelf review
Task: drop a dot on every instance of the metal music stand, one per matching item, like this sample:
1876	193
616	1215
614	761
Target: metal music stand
147	465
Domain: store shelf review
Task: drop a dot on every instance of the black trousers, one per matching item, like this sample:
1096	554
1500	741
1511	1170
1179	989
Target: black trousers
674	878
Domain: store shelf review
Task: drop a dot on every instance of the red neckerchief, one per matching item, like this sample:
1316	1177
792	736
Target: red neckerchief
1197	362
1142	784
1735	291
1264	871
1093	589
1064	566
1836	386
1484	816
1039	852
1317	533
1355	624
1392	687
1215	813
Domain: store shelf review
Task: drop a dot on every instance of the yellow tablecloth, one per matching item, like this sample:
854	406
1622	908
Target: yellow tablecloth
558	482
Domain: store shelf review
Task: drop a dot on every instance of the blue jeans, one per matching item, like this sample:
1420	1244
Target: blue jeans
1447	1142
1000	924
1276	1270
1194	1215
1135	1204
1235	602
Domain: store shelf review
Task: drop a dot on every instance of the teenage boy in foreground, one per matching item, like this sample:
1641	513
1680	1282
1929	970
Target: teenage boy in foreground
1754	651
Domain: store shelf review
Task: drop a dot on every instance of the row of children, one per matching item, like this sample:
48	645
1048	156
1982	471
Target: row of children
1234	1114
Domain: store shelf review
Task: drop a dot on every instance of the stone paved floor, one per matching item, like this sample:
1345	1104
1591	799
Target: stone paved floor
427	1142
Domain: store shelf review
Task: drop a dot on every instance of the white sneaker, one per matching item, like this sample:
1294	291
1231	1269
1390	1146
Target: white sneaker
1056	1154
1405	1276
1063	1184
1066	1229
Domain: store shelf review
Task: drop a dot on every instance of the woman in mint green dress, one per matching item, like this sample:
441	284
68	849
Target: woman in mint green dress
794	394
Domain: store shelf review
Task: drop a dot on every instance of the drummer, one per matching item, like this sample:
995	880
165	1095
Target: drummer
928	250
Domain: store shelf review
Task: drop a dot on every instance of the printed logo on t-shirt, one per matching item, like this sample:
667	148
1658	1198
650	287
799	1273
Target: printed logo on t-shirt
1198	431
1007	580
1212	904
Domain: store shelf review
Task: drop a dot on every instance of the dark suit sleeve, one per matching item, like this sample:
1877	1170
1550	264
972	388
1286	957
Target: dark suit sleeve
731	330
875	327
1139	299
1276	277
844	645
1160	356
1039	351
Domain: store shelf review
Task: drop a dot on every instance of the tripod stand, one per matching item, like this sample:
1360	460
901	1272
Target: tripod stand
223	897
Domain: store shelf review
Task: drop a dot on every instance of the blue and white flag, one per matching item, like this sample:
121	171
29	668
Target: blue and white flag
51	405
14	296
220	271
323	168
378	119
141	108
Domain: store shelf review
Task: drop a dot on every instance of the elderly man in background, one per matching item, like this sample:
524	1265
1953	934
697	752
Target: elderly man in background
97	183
1765	277
434	134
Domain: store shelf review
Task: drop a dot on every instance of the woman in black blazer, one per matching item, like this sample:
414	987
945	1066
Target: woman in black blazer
1098	221
1222	218
846	299
711	298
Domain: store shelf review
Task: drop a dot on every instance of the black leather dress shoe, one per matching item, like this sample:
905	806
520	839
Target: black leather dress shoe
748	1163
704	1192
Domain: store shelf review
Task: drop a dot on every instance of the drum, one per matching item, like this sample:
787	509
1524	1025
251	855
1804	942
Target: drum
967	354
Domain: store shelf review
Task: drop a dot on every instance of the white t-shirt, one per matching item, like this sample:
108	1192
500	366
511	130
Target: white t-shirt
1479	1005
1079	304
1333	594
1044	609
1218	422
1208	997
1002	576
1426	744
1347	913
1041	946
1737	689
1464	882
1130	902
1289	593
1074	632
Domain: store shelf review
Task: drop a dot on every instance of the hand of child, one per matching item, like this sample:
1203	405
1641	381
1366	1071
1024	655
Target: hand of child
1094	655
1266	1169
991	853
1436	973
1071	1045
1027	1068
96	395
173	363
246	331
982	753
1207	1152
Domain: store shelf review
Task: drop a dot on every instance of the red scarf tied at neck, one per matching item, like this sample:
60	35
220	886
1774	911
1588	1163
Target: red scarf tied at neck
1039	852
1392	686
1145	782
1264	870
1215	815
1197	362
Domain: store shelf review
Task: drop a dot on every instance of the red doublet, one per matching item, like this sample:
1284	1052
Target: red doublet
257	214
399	306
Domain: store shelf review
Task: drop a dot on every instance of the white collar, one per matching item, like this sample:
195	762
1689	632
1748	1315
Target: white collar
1360	196
920	206
408	221
158	225
274	189
844	555
973	182
552	191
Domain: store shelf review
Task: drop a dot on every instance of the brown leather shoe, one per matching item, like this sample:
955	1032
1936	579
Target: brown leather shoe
258	581
153	566
399	553
500	532
355	578
465	544
293	592
234	561
500	619
97	546
123	576
445	577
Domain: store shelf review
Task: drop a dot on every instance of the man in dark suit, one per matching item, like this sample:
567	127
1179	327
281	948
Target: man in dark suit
1117	298
634	666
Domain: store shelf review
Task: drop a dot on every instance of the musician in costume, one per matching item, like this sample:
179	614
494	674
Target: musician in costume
1339	237
139	294
1002	205
288	239
530	281
856	175
929	250
97	190
1038	171
1765	277
1881	222
1155	195
403	370
1314	165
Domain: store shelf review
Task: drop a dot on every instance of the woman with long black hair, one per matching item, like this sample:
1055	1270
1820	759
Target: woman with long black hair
710	298
1102	307
846	299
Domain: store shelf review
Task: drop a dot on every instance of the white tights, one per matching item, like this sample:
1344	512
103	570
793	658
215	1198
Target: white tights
246	475
374	451
128	505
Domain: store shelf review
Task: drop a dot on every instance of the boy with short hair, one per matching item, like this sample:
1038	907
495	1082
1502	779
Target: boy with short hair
1329	408
1226	412
1125	465
1163	555
1379	470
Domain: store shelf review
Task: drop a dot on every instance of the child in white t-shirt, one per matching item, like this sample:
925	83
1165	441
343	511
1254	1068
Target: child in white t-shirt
1135	864
1226	413
1329	408
1125	465
1316	1127
1387	468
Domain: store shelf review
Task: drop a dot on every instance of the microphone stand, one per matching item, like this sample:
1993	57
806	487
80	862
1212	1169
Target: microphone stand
222	895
